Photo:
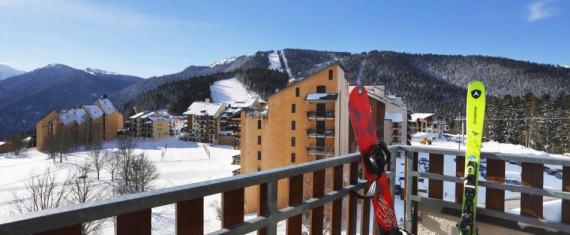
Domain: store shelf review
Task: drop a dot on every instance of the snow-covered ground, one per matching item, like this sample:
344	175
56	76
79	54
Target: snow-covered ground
229	91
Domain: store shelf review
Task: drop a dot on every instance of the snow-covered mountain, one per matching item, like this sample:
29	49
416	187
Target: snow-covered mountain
95	71
7	71
26	98
223	61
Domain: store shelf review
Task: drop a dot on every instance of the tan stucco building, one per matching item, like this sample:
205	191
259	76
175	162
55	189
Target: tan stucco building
204	121
149	125
85	124
306	121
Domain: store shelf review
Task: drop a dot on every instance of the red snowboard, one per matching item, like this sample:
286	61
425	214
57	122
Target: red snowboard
365	131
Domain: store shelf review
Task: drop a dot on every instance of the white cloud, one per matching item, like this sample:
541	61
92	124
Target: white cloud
108	15
540	10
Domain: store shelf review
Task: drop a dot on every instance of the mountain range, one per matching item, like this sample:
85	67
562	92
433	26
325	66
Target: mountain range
6	72
427	82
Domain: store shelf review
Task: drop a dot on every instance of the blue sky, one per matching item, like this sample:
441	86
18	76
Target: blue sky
153	38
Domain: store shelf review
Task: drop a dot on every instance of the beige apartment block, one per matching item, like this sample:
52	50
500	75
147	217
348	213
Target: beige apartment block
306	121
148	125
99	121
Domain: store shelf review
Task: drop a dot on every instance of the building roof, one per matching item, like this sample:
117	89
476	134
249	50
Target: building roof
77	115
143	114
417	116
323	69
203	109
107	105
395	117
93	110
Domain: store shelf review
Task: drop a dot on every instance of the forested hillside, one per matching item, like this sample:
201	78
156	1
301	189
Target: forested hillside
541	123
178	96
257	60
436	83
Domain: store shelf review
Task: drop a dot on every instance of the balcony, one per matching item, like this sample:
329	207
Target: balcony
236	160
432	209
319	150
320	115
320	133
321	97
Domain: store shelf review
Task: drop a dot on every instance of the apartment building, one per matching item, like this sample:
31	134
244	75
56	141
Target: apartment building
148	124
390	115
230	121
84	124
204	121
306	121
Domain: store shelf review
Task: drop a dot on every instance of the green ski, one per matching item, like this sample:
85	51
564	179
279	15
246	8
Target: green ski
475	117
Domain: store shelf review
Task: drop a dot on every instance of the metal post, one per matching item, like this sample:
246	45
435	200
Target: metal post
271	206
409	185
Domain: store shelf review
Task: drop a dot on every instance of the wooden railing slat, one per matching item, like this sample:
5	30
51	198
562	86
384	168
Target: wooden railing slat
351	208
190	217
295	223
495	198
71	230
136	223
435	189
317	214
532	175
336	207
232	207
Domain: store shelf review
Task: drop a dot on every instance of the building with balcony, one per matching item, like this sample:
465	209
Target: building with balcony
99	121
306	121
204	122
428	123
390	115
148	124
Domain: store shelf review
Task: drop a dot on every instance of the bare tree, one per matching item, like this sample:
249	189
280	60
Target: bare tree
18	144
43	191
111	164
60	143
83	189
137	174
126	146
97	157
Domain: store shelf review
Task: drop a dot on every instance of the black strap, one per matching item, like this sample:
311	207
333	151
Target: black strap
375	162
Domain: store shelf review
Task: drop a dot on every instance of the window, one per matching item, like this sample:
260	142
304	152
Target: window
293	108
258	168
258	124
293	141
321	89
297	92
258	155
292	125
259	140
293	157
330	75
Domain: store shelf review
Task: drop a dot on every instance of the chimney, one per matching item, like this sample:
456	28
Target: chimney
208	100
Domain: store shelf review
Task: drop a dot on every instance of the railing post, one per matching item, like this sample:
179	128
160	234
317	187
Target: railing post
138	222
532	176
495	198
190	217
566	188
294	224
411	189
268	206
365	212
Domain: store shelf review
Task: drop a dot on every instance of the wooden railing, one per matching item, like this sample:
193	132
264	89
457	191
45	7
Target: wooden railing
531	188
132	213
